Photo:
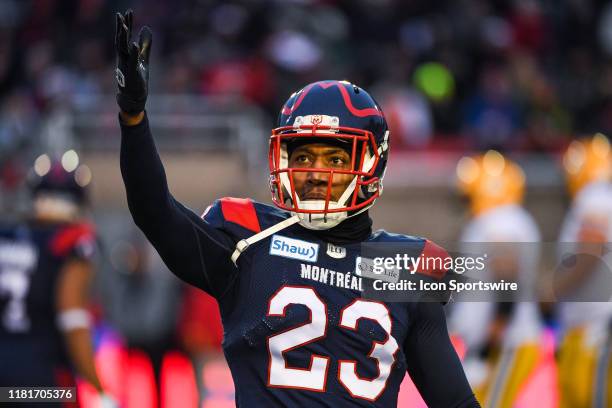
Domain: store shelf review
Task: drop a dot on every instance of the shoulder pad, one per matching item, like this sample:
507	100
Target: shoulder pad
386	236
67	237
433	256
436	257
239	211
243	212
269	215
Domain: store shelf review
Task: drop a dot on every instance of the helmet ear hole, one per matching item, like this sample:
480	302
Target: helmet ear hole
371	188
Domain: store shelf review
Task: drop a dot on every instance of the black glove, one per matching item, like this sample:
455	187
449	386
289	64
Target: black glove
132	65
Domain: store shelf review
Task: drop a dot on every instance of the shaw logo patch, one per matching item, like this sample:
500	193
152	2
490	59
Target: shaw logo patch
294	248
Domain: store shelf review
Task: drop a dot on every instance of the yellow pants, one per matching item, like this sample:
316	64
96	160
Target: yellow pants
584	372
510	370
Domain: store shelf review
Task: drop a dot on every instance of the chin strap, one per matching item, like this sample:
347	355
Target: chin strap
243	244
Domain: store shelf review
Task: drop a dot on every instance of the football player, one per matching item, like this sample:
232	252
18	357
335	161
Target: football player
45	271
501	337
297	332
583	281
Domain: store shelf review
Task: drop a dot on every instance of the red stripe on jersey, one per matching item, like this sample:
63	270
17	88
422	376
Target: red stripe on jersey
69	236
433	260
240	211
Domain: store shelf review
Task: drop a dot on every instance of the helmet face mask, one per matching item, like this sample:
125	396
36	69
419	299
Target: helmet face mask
311	116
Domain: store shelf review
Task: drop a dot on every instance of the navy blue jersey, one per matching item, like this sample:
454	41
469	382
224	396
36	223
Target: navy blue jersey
297	331
32	348
299	326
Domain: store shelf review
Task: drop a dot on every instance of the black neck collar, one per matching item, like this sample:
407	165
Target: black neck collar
352	230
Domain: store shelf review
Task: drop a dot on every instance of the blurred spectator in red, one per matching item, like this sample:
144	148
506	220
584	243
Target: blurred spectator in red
201	334
528	25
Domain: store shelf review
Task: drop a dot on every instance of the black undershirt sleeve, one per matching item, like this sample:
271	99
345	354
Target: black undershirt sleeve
192	249
433	363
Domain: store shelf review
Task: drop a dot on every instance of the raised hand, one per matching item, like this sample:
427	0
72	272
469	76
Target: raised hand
132	71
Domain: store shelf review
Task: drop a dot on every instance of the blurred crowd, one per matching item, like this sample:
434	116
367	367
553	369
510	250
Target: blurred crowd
509	74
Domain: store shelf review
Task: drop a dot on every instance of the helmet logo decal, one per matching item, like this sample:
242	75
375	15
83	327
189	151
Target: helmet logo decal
316	120
345	97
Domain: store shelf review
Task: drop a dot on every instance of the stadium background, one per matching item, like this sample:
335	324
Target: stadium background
454	77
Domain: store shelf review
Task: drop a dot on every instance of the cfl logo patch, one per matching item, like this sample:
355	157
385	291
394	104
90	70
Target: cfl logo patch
334	251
